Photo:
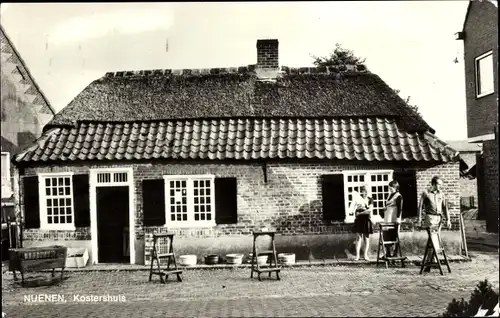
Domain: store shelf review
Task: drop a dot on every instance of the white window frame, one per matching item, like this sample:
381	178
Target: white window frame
367	181
44	225
6	179
190	222
477	75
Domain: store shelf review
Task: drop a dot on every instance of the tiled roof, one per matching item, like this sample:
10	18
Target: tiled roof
367	138
237	92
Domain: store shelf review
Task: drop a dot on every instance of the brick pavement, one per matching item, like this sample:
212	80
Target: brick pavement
305	291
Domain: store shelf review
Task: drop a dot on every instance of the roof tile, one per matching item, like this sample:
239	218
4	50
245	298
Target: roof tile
362	139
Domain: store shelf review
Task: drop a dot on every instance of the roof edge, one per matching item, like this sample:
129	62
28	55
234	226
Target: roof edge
249	69
27	70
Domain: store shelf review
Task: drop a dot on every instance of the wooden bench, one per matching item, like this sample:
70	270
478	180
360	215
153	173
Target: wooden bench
34	259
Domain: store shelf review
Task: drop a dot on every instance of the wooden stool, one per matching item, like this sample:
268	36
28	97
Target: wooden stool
157	254
383	244
271	256
433	249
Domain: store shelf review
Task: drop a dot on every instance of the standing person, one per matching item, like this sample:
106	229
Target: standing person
433	204
392	213
362	206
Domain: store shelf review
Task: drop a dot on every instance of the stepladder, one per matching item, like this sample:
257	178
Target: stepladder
389	245
163	248
434	250
272	259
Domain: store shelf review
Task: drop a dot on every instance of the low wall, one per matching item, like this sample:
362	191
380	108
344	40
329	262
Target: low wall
305	247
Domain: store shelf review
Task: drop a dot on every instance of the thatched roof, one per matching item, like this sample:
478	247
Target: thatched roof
237	92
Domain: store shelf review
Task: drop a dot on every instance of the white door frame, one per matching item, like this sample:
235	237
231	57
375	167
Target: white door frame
93	207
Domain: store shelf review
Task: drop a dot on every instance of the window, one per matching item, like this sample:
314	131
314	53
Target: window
189	201
56	201
6	179
484	74
377	183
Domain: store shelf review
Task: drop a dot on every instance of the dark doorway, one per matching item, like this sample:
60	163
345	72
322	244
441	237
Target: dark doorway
112	222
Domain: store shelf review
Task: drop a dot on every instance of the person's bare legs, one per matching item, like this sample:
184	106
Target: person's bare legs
366	240
359	240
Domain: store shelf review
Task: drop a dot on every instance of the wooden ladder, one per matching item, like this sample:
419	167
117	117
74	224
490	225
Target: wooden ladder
386	228
433	250
157	254
271	257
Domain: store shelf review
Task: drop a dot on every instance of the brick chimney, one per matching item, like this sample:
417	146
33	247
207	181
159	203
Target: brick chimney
267	54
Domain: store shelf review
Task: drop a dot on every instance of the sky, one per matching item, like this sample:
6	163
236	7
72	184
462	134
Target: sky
410	44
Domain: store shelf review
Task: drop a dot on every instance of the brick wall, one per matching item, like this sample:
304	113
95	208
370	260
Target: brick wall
481	36
491	190
290	201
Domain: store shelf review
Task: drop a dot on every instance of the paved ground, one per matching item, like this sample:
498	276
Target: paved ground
303	291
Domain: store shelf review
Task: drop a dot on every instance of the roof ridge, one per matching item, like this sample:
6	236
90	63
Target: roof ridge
351	68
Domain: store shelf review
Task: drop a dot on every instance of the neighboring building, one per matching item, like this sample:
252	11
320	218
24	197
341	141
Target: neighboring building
480	36
25	111
468	181
213	154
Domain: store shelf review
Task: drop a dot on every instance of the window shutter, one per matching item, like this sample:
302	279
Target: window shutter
333	197
31	203
226	201
153	202
81	200
408	188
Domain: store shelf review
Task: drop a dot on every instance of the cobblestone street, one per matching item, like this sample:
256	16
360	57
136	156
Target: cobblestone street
306	291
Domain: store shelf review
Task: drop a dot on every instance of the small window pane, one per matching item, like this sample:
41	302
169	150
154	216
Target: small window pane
207	191
355	178
178	217
361	178
195	200
203	216
68	210
349	178
183	183
209	217
172	217
172	201
195	183
49	220
380	188
195	191
54	191
202	200
196	216
184	208
68	202
47	182
172	208
56	220
202	192
202	208
374	178
172	184
49	211
68	219
172	192
62	219
49	202
66	181
208	207
184	217
386	177
196	208
208	200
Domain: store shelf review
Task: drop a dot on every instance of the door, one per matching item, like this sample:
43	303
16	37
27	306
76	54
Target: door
112	221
